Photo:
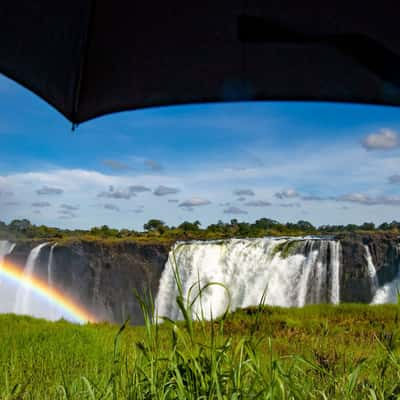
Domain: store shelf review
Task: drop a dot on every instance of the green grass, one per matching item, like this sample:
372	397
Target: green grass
317	352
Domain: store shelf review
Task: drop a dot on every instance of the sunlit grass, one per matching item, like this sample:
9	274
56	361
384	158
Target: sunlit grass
316	352
334	352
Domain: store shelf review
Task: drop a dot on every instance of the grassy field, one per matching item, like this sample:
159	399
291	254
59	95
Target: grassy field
317	352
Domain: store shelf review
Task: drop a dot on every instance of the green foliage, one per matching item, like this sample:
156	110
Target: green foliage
158	230
316	352
190	226
350	351
155	225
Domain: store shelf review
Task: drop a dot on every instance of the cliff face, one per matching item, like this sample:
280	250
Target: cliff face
355	281
101	276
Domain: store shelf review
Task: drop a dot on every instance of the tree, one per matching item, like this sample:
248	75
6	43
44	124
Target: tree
368	226
265	223
394	225
305	226
190	226
384	226
154	225
20	225
351	227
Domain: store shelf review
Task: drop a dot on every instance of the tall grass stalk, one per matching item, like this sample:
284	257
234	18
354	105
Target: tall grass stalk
318	352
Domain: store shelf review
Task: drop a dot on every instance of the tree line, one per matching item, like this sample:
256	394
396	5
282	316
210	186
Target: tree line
155	228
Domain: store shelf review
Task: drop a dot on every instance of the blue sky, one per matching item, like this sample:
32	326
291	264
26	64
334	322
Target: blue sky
323	162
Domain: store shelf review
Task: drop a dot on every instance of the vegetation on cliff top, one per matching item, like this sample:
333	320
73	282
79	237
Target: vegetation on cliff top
157	231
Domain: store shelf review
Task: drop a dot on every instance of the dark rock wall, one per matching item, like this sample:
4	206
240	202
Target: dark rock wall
355	282
101	276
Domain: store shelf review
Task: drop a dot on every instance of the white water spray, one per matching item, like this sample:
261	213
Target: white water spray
23	292
52	311
336	254
289	271
50	266
6	248
371	271
388	293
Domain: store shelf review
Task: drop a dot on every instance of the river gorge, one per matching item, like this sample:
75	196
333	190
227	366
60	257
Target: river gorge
100	277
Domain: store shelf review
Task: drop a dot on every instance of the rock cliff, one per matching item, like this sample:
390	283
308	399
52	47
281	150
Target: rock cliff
355	282
102	275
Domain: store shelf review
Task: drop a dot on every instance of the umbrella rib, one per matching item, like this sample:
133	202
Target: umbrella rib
81	66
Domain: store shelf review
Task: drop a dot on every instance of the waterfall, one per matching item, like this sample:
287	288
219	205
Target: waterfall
50	266
389	292
23	292
52	311
336	253
371	271
6	248
288	271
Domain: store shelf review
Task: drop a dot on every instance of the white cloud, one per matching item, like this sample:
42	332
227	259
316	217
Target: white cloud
243	192
195	202
165	190
385	139
286	194
66	213
112	193
362	198
81	187
69	207
257	203
234	210
49	191
290	205
334	169
41	204
11	203
394	179
138	189
111	207
314	198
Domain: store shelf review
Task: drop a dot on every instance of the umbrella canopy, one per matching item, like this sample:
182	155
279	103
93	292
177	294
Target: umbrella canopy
93	57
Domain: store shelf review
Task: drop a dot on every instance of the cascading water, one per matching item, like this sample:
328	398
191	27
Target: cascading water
6	248
52	311
22	305
336	253
288	271
371	271
50	266
23	291
388	293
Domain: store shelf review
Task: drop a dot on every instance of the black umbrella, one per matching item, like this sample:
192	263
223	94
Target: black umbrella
92	57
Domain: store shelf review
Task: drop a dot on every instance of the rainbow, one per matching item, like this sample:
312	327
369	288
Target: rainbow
42	289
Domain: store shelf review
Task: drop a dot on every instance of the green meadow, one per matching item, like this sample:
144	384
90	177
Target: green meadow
316	352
